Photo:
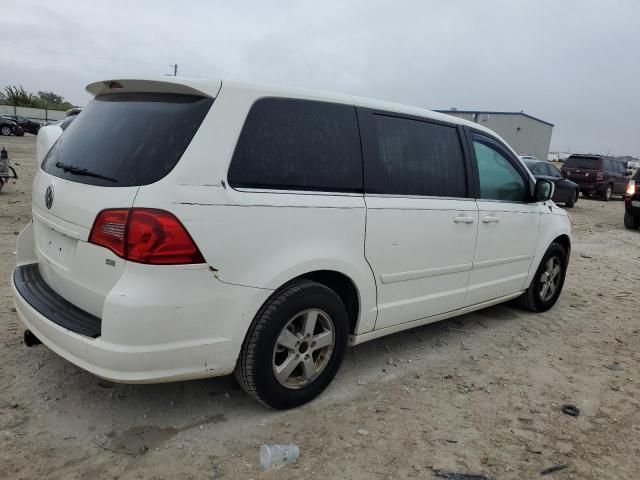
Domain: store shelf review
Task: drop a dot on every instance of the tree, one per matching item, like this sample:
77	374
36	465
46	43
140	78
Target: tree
18	96
50	98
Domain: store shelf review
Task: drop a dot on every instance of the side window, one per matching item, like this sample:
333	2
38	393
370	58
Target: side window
499	180
415	157
608	167
289	144
554	171
543	169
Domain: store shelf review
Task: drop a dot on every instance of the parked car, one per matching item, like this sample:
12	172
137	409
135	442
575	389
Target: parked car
632	203
27	125
9	127
597	174
194	228
566	191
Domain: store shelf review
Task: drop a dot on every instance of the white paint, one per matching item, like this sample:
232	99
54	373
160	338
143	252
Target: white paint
413	260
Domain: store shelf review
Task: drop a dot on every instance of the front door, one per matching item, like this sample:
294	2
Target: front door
508	225
421	223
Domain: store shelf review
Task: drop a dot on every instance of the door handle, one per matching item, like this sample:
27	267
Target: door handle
491	219
464	219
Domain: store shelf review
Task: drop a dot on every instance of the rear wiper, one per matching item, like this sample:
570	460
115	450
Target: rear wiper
82	171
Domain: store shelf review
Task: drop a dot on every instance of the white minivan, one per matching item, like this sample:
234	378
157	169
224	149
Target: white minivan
193	228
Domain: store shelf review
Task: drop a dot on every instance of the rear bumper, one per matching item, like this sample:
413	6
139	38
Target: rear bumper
35	291
145	341
592	187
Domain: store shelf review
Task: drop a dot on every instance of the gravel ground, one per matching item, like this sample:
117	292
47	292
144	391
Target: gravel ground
481	393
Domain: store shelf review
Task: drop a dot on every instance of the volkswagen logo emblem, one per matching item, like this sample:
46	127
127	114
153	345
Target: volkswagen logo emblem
48	197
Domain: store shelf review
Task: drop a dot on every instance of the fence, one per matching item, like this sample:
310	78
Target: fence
41	115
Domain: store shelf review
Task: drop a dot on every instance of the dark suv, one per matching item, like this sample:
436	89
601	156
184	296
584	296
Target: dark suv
632	203
597	174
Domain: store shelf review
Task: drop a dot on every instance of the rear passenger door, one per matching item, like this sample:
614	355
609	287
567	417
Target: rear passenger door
508	225
421	221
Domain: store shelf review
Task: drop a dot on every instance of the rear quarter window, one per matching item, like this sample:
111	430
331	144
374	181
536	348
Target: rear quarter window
124	140
291	144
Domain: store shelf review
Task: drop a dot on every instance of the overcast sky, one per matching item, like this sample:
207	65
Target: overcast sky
574	63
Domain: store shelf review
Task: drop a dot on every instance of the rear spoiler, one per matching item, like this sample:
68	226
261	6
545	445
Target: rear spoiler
186	86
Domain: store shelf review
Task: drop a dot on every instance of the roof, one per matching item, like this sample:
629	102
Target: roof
453	112
212	87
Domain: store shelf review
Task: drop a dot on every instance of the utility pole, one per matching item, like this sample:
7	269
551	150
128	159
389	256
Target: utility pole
175	69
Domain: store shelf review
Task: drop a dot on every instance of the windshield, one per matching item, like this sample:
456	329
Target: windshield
589	163
124	140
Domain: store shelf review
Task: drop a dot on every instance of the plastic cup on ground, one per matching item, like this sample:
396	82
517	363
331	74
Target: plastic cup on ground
273	455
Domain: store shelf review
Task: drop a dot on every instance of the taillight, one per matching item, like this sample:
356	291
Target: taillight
145	235
108	230
631	188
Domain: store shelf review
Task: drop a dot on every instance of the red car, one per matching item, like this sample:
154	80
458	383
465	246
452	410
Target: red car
597	175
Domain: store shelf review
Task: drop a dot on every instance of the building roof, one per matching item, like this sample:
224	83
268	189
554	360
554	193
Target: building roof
495	113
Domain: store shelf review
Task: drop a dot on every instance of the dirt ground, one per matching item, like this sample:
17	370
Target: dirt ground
481	393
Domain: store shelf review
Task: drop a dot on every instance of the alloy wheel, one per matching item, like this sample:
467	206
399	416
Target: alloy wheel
303	348
550	279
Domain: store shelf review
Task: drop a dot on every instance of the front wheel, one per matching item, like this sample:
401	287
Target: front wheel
294	346
5	130
606	193
572	201
548	281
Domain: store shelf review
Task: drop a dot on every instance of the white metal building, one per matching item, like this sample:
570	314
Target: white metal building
526	134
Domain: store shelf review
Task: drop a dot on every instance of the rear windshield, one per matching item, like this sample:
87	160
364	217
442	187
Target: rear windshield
590	163
124	140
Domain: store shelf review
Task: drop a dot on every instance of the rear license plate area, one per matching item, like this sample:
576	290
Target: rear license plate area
54	246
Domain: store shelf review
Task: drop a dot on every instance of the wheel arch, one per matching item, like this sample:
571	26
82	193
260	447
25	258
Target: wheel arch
565	241
559	231
343	285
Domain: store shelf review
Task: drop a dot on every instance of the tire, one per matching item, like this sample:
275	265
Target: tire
532	298
5	130
630	221
19	133
605	195
288	310
572	201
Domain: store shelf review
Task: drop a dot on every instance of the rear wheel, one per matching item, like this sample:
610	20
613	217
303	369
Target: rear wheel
572	201
548	281
606	193
294	346
630	221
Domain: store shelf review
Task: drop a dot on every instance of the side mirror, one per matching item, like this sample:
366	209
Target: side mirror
629	173
543	190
